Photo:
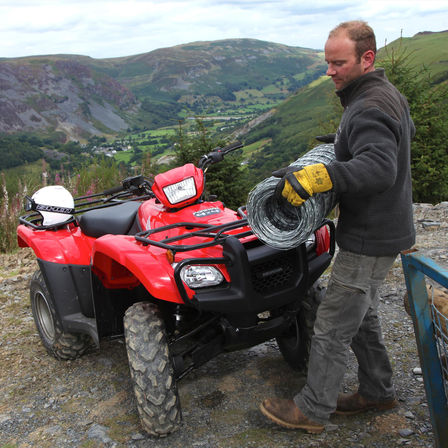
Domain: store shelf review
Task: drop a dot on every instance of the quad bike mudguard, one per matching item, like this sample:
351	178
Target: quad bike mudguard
72	283
64	246
64	259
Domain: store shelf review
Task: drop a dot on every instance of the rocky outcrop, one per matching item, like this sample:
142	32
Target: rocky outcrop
61	95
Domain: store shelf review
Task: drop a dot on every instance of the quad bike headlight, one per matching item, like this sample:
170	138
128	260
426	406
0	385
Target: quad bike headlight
201	276
180	191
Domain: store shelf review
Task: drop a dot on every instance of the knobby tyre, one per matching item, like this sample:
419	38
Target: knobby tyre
295	343
59	344
151	369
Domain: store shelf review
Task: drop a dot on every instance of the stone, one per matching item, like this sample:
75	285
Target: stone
138	436
99	432
430	224
4	418
405	432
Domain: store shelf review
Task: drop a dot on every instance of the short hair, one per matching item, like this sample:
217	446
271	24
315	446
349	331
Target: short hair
359	32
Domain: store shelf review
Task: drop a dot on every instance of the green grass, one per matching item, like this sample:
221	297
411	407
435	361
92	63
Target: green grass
249	94
254	148
154	133
123	156
430	50
271	90
163	132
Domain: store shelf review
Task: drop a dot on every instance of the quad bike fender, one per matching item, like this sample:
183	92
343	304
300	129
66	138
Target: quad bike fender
64	260
71	296
63	246
121	262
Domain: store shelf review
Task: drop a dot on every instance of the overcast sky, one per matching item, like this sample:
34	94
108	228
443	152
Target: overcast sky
113	28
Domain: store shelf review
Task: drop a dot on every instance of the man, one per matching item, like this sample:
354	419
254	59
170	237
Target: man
371	175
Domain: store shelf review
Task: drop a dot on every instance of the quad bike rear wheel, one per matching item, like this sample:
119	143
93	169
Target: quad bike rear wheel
295	343
59	344
151	369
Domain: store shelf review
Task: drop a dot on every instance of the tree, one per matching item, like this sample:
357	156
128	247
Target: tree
428	104
225	179
17	150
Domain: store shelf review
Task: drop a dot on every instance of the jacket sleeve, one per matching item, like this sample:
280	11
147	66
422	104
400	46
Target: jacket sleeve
372	140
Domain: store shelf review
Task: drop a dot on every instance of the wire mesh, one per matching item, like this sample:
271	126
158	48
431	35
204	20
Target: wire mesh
278	223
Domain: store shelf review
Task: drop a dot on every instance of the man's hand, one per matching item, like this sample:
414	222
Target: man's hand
298	186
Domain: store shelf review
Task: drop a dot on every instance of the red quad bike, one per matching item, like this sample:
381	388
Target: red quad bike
181	276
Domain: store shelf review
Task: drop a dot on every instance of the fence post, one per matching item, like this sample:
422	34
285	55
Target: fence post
415	268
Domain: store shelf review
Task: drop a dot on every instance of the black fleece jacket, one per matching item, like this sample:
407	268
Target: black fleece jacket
371	173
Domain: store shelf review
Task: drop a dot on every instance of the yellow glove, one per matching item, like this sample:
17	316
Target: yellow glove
301	185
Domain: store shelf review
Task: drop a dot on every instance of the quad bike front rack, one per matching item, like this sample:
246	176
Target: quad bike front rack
215	233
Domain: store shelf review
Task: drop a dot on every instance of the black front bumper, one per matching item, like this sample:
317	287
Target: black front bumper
262	278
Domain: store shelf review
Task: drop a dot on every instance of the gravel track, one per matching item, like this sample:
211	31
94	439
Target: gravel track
89	402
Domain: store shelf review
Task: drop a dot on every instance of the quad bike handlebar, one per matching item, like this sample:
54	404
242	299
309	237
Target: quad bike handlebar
217	154
137	185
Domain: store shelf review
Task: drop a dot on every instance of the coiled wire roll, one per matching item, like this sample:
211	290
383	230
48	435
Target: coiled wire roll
278	223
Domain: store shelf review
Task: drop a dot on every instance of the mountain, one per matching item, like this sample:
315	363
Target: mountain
80	96
61	93
314	109
217	68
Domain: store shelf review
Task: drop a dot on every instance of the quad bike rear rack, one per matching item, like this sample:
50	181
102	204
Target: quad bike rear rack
134	188
34	219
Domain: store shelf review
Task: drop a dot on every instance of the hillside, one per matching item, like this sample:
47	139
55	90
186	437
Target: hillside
426	48
215	69
61	94
315	109
81	96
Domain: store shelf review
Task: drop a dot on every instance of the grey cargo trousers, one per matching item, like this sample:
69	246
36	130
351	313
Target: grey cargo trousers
348	316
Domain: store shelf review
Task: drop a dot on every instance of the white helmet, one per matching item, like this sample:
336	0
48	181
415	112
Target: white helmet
54	203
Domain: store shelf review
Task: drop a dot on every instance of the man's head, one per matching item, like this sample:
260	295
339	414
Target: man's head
350	52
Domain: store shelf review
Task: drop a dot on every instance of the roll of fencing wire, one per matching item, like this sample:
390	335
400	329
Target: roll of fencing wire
278	223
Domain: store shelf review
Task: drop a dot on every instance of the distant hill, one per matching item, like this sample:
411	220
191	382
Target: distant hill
60	93
81	96
216	69
427	48
291	127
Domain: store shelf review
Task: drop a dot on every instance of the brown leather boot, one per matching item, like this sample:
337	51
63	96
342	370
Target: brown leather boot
351	404
285	413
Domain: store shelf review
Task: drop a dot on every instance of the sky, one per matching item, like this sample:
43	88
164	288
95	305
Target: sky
114	28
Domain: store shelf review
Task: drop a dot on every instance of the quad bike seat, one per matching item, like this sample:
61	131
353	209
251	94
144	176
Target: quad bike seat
116	220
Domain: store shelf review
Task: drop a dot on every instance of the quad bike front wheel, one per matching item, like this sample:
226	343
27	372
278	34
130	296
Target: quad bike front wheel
151	369
295	342
61	345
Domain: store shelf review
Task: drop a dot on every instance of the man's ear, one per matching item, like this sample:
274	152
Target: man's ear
368	59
